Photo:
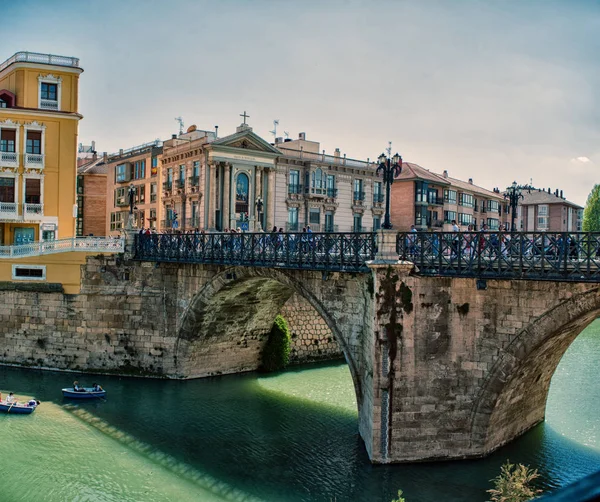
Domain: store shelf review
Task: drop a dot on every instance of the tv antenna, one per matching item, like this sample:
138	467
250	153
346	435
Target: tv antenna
286	134
179	120
274	131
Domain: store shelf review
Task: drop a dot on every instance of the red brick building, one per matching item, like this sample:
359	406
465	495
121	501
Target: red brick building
91	195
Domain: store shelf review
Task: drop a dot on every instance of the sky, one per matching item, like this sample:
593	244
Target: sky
491	90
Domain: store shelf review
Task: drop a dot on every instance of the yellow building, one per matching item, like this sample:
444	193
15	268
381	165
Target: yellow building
38	167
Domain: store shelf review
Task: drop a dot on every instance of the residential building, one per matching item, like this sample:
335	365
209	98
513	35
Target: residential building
430	201
138	168
91	192
546	211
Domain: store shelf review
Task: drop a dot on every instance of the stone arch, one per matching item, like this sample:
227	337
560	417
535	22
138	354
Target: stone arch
206	308
513	395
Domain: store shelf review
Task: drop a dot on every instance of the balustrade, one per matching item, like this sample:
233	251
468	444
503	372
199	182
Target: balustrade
33	211
9	159
35	160
9	210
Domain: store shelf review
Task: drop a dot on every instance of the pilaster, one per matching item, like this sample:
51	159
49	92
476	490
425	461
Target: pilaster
226	196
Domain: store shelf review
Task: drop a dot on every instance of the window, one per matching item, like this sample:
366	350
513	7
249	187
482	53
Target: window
121	173
7	190
465	219
170	176
8	140
34	142
154	166
182	172
449	216
493	223
196	173
29	272
153	192
331	190
420	191
542	220
120	197
466	200
294	182
33	192
2	103
432	196
376	223
140	194
329	226
358	190
139	170
450	196
357	226
49	92
318	181
377	193
48	235
421	216
493	206
314	216
293	219
152	219
116	221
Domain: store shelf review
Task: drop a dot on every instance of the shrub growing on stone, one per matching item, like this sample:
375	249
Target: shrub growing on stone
276	353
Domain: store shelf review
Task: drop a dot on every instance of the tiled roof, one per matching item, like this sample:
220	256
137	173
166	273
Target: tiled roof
541	197
465	185
93	167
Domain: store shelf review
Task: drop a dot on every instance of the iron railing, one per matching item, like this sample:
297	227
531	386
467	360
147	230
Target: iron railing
312	251
567	256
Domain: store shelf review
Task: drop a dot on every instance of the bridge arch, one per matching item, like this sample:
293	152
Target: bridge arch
247	299
513	396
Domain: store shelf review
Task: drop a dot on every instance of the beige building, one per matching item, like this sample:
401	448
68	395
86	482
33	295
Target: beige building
139	168
546	211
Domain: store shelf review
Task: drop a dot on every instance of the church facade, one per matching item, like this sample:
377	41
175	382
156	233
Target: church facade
242	181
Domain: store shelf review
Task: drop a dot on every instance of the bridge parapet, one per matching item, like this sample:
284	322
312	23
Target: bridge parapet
565	256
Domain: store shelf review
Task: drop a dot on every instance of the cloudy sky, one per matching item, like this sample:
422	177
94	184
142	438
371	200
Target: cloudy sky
493	90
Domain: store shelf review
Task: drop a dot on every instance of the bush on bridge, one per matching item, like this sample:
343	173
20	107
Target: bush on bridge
276	353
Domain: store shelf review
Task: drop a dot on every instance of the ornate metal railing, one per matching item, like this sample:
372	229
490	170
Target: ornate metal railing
572	256
312	251
84	244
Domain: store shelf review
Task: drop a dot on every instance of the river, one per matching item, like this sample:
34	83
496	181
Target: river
284	438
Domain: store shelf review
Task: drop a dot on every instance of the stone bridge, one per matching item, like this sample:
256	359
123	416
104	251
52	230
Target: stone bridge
443	367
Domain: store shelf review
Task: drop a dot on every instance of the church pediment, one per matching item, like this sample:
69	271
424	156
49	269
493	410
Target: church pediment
246	141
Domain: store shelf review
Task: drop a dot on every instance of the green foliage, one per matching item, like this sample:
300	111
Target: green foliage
400	497
591	213
513	484
276	353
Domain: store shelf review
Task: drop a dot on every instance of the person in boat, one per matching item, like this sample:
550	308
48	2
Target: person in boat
33	402
77	387
10	399
96	388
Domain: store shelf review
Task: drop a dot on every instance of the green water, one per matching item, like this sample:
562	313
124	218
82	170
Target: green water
287	437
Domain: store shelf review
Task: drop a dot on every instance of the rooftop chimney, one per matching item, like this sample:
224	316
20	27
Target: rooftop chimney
278	140
302	136
173	136
561	195
336	153
470	181
105	157
216	131
445	173
120	152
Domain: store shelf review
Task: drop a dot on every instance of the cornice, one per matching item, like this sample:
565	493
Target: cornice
40	113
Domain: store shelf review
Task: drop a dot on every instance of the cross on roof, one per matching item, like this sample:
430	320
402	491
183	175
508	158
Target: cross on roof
245	116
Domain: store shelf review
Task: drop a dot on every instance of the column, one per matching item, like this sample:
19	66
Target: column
252	201
212	196
258	193
271	200
226	197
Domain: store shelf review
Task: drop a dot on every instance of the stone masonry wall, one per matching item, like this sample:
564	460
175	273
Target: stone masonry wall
312	340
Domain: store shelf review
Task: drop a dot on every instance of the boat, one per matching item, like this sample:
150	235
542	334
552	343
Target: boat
17	408
85	393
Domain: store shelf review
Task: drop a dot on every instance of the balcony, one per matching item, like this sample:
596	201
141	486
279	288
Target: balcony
378	198
332	193
358	196
291	227
33	212
34	160
180	183
435	201
8	211
9	159
192	223
48	104
294	189
195	181
36	57
168	186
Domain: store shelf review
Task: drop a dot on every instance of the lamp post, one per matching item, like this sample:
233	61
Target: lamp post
391	168
131	194
259	207
513	194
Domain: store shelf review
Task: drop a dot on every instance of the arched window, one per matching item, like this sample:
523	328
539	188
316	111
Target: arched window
241	193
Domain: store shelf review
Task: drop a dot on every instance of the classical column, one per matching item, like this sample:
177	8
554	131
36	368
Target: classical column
226	197
252	201
271	200
212	196
258	193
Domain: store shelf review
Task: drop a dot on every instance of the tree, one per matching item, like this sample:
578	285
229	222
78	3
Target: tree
591	213
512	484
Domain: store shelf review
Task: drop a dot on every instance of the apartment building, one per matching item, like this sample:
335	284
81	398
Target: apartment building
136	168
546	211
430	201
91	192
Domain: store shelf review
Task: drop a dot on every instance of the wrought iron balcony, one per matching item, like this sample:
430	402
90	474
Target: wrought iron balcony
33	212
294	189
35	160
310	251
359	196
168	186
507	255
9	159
378	198
195	181
435	201
180	183
9	211
332	193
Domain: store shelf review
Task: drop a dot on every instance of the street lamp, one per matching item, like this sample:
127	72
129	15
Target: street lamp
513	194
131	194
391	168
